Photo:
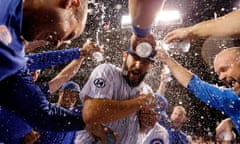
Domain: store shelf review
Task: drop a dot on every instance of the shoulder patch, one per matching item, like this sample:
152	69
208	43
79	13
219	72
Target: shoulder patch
156	141
99	83
5	35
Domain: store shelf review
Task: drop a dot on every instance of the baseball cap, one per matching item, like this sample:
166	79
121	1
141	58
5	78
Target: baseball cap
71	85
146	51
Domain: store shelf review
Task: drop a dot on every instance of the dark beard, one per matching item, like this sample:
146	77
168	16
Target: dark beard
134	83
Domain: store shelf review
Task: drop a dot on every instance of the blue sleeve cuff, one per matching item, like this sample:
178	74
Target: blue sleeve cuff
141	32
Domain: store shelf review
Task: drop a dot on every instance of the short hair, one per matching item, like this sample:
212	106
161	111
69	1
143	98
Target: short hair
182	109
234	50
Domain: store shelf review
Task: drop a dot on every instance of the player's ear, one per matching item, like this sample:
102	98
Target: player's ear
71	3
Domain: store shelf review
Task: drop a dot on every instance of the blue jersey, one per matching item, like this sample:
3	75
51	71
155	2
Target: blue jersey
223	99
43	61
11	46
175	136
12	127
59	137
51	58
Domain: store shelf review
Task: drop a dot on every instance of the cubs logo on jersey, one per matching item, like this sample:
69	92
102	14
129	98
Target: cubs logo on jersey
5	35
156	141
99	83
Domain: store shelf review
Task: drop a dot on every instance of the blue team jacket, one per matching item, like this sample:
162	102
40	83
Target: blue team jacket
222	99
11	46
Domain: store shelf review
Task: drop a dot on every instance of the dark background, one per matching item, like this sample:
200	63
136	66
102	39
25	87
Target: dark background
202	118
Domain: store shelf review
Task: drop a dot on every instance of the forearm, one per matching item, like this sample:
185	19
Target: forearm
228	25
105	110
162	88
51	58
66	74
182	75
144	12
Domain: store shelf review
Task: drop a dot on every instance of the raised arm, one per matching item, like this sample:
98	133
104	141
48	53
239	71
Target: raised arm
227	25
47	59
101	111
165	77
71	69
182	75
143	14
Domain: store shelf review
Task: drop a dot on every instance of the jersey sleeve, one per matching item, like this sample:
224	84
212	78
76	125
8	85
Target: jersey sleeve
222	99
51	58
100	83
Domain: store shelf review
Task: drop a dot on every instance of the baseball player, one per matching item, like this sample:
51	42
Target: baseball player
114	97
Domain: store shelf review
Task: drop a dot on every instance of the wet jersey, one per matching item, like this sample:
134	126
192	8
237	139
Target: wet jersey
177	136
44	60
223	99
11	46
157	135
12	128
107	81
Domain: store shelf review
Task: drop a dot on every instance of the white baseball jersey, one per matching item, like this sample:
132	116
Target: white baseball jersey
157	135
106	81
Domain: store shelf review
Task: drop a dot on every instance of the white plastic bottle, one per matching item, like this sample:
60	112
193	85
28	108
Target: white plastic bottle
97	56
176	46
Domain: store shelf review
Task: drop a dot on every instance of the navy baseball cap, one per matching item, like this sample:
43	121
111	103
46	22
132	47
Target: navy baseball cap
150	57
71	85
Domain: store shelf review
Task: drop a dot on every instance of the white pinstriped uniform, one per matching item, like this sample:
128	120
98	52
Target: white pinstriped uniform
157	135
106	81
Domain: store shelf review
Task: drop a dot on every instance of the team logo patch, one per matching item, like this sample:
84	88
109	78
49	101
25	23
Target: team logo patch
156	141
99	83
5	35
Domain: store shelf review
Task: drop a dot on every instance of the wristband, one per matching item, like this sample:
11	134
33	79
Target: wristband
141	32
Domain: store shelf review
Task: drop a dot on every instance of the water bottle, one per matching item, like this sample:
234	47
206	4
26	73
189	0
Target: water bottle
166	74
97	56
176	46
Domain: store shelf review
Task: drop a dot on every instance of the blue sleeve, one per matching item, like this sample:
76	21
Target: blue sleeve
212	95
46	59
12	127
222	99
141	32
28	100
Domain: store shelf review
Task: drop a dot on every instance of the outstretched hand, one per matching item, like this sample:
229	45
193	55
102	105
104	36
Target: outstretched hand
163	55
147	100
31	137
180	34
89	47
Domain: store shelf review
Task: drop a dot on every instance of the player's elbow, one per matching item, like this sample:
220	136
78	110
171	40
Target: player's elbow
88	112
